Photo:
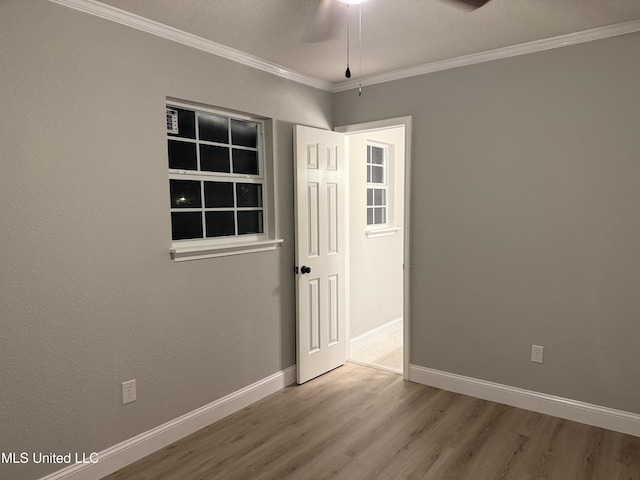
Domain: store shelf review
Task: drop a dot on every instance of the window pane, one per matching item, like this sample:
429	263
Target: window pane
249	194
218	194
244	133
370	197
186	123
182	155
214	159
377	156
220	224
245	161
213	128
186	225
380	215
370	216
380	197
185	194
377	174
250	222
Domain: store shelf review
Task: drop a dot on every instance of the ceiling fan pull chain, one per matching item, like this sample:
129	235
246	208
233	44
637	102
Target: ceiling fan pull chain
347	73
360	50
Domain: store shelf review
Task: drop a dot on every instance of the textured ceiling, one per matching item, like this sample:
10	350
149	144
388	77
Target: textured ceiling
396	34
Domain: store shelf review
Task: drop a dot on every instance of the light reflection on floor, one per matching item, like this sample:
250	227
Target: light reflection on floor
385	353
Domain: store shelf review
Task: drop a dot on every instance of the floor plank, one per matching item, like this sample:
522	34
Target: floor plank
361	423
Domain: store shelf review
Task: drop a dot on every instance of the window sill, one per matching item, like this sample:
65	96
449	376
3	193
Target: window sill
197	252
382	232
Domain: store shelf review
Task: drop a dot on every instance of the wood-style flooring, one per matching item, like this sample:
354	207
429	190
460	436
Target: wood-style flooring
361	423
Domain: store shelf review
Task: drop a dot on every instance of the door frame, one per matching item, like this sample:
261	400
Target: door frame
385	124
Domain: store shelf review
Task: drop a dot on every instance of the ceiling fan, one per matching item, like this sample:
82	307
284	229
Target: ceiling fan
473	3
328	19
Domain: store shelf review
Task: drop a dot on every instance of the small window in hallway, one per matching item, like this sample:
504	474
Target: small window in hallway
377	185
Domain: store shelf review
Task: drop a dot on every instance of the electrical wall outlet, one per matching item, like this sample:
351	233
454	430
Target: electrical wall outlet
536	353
129	391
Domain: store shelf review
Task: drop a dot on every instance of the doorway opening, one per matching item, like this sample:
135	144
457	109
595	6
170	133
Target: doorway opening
377	260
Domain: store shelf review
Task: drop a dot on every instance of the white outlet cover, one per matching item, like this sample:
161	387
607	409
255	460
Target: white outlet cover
128	391
537	353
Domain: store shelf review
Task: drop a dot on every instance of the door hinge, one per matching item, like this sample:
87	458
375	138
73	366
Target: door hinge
295	270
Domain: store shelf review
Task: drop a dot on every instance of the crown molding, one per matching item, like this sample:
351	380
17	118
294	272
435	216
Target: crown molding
497	54
132	20
94	7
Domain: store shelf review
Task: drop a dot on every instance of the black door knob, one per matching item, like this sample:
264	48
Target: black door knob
305	269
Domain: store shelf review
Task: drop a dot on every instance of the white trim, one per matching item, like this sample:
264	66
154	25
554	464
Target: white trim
347	249
497	54
143	24
375	334
595	415
122	17
381	232
375	125
191	252
129	451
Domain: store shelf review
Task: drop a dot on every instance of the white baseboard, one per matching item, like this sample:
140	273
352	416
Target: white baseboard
609	418
375	334
129	451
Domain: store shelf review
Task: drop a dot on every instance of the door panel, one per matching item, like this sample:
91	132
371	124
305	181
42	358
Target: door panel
320	173
313	240
332	289
314	316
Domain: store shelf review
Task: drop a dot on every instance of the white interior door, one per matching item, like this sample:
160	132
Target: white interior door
320	215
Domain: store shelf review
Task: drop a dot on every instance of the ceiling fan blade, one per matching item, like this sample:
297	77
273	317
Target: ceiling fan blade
473	3
326	23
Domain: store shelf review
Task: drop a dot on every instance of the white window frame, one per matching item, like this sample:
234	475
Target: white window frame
386	228
193	249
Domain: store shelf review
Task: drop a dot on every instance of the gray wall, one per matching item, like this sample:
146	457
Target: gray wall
375	264
525	225
89	297
525	228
